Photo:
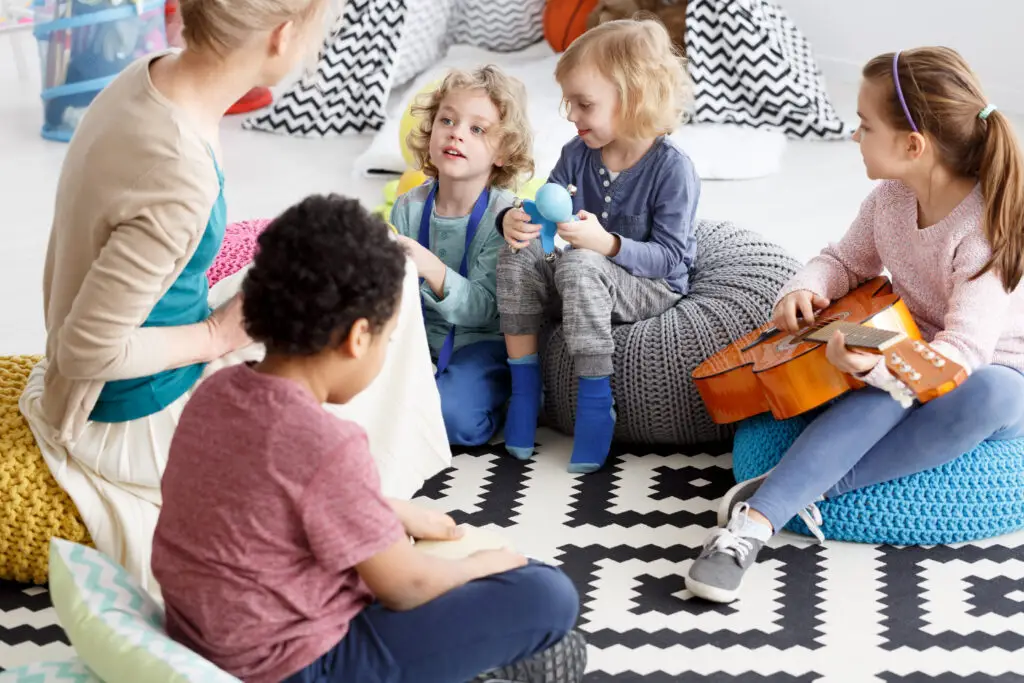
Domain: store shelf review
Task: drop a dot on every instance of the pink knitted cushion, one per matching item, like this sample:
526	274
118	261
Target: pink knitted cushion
237	250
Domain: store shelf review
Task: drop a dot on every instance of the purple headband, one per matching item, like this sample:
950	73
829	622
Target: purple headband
899	90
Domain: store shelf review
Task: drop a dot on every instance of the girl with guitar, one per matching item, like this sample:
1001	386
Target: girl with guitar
947	221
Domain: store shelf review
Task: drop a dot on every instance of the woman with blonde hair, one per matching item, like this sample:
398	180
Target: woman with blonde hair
139	218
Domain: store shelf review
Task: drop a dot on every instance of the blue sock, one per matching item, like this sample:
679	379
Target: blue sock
524	406
595	425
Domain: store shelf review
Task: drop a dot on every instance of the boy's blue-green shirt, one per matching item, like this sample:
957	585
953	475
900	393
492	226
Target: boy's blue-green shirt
470	303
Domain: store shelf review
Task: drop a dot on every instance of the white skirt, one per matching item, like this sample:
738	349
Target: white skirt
112	470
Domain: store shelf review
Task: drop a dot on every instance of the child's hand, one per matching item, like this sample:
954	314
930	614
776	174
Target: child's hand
428	266
488	562
851	362
802	301
518	229
426	524
587	233
431	525
420	256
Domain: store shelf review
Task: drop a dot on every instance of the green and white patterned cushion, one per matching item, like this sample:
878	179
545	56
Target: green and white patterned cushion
68	671
115	626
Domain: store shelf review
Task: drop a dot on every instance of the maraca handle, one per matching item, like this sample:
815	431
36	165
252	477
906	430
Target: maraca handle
547	227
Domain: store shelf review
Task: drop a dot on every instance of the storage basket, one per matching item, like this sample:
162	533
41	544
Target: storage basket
85	44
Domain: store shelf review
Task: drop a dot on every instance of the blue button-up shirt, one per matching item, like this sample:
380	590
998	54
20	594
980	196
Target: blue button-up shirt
651	207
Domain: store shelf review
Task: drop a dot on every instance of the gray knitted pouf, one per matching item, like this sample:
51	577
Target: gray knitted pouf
732	288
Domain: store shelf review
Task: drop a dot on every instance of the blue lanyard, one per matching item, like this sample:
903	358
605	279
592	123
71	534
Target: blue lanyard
445	355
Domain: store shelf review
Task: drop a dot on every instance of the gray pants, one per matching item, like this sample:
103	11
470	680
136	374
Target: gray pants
586	291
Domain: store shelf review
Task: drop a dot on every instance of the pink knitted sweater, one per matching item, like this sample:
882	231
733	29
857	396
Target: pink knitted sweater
971	322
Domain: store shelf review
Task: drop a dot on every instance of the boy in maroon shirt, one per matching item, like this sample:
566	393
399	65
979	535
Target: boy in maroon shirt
277	555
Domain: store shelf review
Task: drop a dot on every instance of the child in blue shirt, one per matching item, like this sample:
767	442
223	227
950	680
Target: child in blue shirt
474	143
625	89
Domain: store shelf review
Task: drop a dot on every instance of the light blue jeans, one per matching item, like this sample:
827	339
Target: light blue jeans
866	437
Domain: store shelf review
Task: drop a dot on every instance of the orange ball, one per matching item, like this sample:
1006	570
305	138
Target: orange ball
565	21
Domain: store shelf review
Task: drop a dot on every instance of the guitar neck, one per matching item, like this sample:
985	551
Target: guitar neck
857	336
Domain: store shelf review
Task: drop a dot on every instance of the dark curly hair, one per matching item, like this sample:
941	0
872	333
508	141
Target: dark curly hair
319	267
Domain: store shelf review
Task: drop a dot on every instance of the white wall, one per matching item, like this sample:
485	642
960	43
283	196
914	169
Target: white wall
847	33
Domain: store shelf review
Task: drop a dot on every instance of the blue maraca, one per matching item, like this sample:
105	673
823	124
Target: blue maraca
552	206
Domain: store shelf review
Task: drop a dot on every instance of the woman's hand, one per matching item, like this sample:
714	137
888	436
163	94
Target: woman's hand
587	233
518	229
227	327
802	301
851	362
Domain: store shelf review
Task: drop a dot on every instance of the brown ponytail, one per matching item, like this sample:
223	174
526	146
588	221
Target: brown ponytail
945	101
1002	184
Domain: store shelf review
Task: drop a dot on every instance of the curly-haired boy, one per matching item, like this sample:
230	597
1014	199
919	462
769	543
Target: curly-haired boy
278	556
475	144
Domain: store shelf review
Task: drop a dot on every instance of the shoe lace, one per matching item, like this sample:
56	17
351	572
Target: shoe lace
725	541
728	540
811	517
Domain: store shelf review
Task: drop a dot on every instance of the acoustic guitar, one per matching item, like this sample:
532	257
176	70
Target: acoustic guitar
768	370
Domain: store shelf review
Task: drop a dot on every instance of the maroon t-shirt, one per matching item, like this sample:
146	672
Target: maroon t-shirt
268	504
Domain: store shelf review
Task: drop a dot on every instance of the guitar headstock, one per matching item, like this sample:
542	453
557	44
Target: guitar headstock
923	372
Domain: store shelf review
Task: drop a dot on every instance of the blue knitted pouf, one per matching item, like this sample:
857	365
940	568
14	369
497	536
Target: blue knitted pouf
978	495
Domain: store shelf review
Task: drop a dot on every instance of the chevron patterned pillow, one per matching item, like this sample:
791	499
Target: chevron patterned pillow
381	44
498	25
425	37
115	626
348	91
67	671
751	65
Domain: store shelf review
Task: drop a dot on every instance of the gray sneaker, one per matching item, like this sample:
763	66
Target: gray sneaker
563	662
717	574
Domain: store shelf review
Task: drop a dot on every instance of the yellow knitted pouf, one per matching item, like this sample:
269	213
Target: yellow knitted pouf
33	507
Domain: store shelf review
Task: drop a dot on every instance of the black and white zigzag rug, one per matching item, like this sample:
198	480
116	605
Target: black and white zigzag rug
626	535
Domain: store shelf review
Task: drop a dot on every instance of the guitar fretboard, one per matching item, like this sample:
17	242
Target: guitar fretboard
860	336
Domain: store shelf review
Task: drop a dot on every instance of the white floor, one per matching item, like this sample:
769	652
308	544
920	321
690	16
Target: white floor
810	202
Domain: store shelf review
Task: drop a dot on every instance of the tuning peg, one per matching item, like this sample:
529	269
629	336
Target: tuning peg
901	393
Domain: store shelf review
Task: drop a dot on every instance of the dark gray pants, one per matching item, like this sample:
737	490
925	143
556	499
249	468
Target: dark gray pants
585	290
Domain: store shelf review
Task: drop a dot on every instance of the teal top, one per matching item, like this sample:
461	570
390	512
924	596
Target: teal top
470	303
185	303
